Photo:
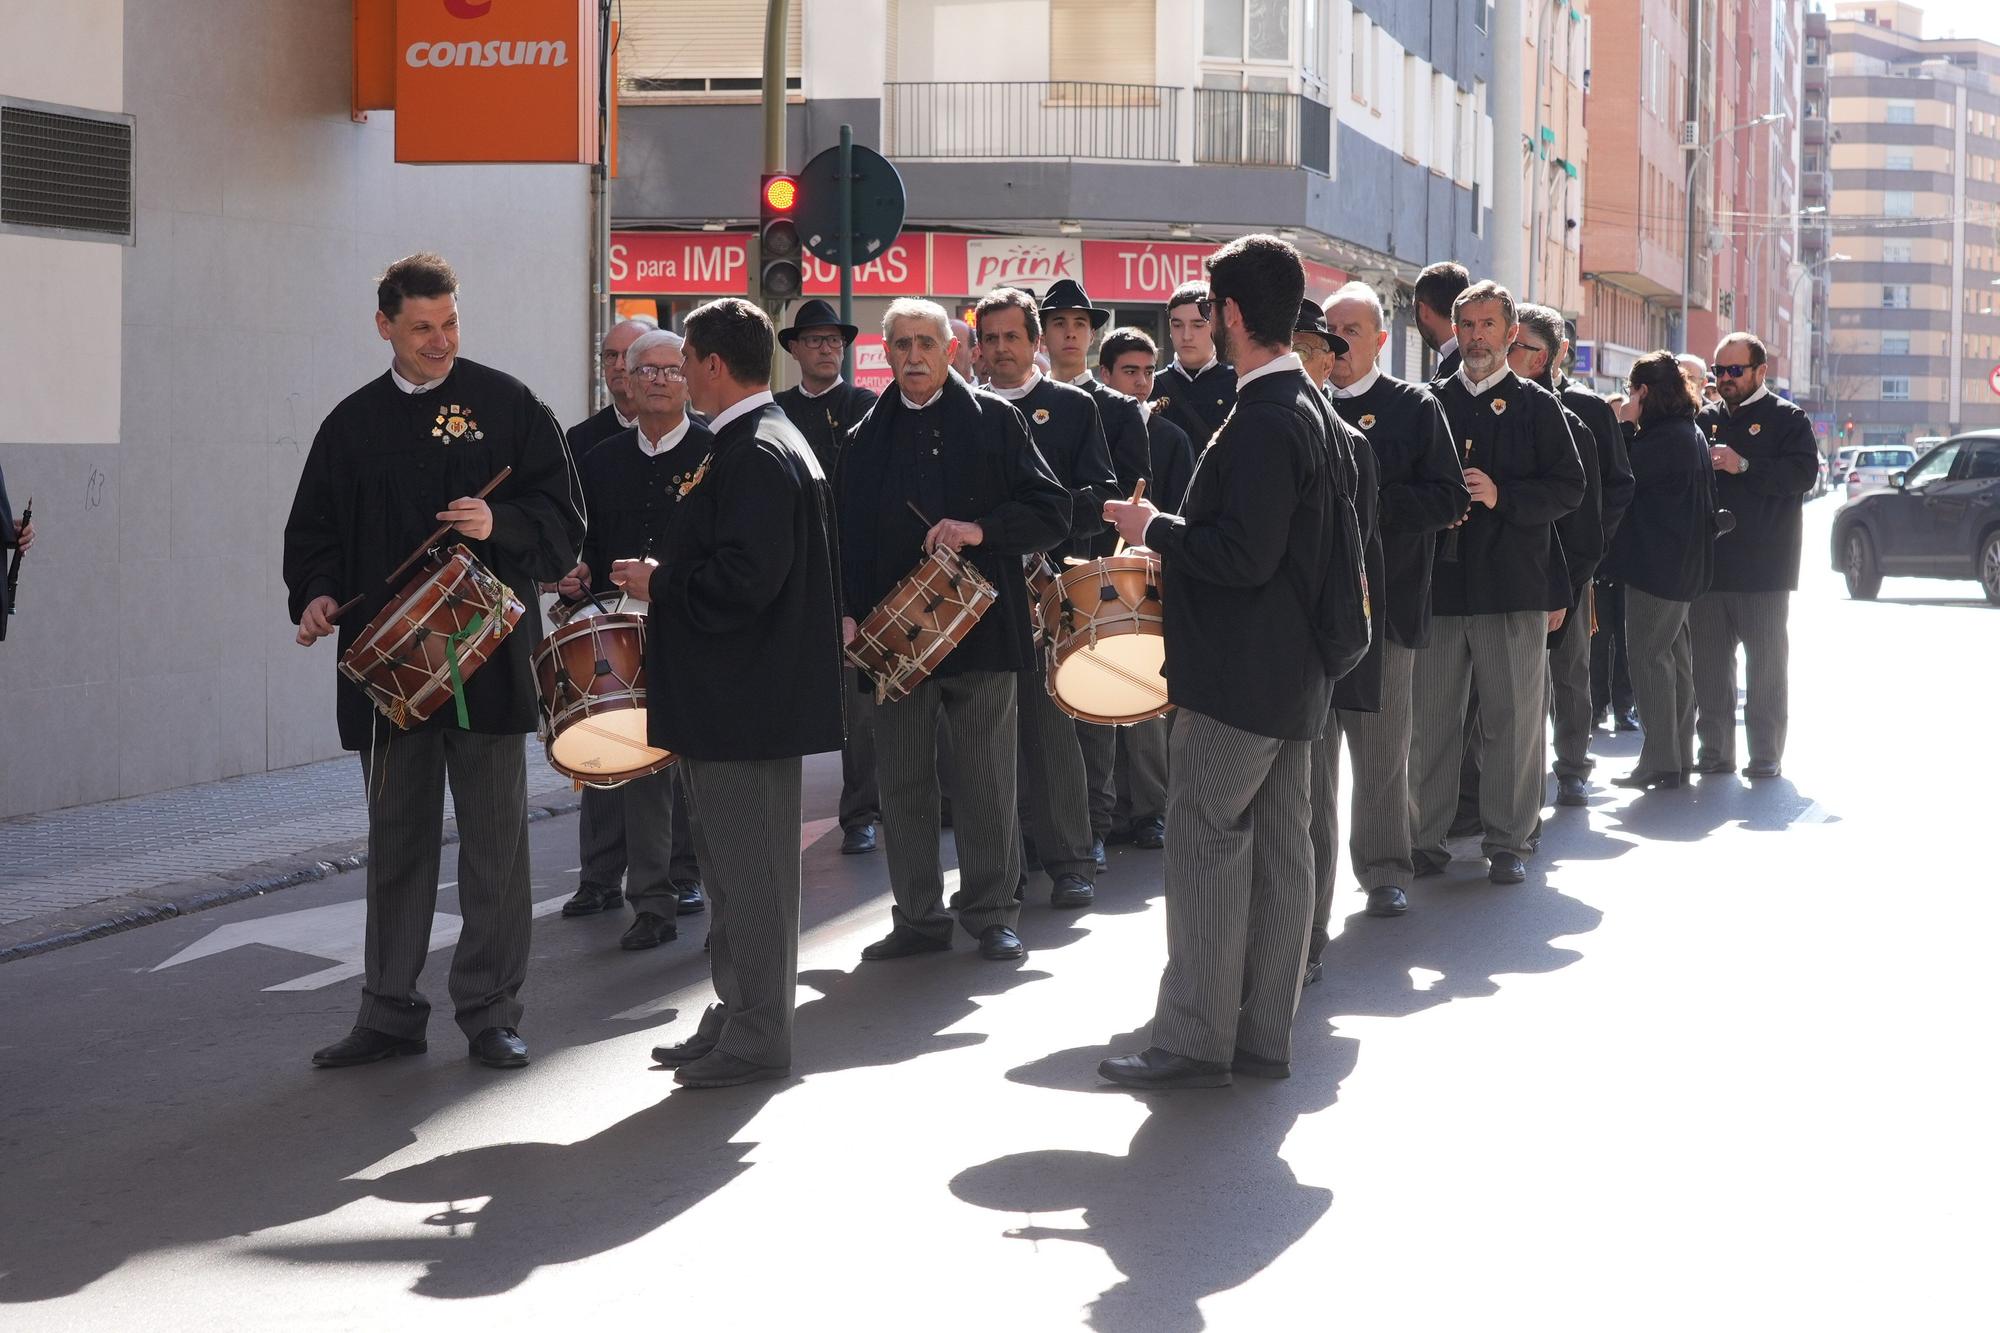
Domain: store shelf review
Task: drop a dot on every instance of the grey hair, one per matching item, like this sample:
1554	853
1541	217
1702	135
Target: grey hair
910	307
649	340
1368	296
1547	325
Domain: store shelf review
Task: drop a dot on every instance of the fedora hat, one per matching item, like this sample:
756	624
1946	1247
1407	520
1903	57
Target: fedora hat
1313	320
815	314
1068	294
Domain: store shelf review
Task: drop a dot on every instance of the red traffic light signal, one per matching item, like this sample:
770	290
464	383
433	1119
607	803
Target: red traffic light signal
781	193
779	277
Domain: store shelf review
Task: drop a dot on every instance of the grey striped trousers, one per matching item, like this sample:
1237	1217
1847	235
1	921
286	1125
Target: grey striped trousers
978	706
747	835
639	834
1378	836
1505	656
1239	891
1054	796
1142	772
1656	631
405	777
1757	620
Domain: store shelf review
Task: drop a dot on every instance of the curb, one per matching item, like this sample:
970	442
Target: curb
131	911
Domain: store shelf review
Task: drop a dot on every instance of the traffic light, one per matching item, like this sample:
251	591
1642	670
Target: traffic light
778	277
1845	427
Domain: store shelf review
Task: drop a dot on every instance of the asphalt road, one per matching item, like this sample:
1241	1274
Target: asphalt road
1724	1062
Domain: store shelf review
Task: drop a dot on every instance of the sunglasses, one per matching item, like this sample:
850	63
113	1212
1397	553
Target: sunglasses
1732	372
1206	308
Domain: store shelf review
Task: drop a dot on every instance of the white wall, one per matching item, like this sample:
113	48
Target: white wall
975	41
152	647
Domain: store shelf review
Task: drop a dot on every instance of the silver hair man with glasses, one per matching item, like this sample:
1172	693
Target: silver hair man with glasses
1765	460
636	840
937	463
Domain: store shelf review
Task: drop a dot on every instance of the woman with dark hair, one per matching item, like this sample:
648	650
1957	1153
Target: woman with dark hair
1664	554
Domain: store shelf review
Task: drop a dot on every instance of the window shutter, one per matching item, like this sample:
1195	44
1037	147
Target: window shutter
687	46
1101	41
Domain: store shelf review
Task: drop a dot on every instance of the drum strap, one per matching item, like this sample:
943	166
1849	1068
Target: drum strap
458	636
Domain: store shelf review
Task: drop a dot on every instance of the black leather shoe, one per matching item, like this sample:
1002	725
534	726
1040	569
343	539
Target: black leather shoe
1665	781
1072	891
856	841
1761	768
903	943
720	1069
649	930
1713	767
1157	1068
1150	835
1387	900
683	1052
1313	973
591	899
1000	944
1097	853
1628	720
500	1048
364	1046
1257	1066
689	900
1426	866
1506	868
1571	791
1600	719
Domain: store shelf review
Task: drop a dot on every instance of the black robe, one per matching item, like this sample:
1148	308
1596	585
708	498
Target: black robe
632	499
382	467
1508	558
968	456
8	541
592	431
1360	690
825	420
1064	423
743	656
1666	545
1198	403
1762	554
1447	367
1172	462
1614	468
1124	420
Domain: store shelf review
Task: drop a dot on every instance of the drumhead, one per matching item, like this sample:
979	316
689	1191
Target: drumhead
607	745
1117	680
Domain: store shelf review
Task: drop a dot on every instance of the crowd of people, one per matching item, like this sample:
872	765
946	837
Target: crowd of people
1449	575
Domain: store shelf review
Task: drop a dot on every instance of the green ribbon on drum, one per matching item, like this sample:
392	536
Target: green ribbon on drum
477	623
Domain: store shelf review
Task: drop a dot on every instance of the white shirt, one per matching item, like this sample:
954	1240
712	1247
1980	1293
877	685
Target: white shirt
744	408
1360	386
823	392
1480	386
1187	374
1763	391
654	448
408	387
1084	380
1289	361
1447	347
624	422
916	406
1021	390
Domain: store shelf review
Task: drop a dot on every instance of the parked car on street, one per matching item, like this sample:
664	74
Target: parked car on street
1940	520
1873	468
1843	459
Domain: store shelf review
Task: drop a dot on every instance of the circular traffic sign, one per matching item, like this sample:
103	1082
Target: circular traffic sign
1993	380
879	202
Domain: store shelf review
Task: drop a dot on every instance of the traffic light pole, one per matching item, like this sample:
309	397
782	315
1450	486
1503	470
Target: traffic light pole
847	245
777	13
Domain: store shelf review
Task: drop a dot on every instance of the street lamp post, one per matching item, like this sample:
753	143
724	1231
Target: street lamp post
1687	206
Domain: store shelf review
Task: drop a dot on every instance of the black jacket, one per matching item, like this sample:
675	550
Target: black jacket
1516	434
825	420
1762	554
1172	460
1063	421
1198	404
631	499
1614	468
1124	421
1245	560
1666	545
743	656
7	544
381	467
592	431
1360	690
1421	493
1447	367
983	468
1580	532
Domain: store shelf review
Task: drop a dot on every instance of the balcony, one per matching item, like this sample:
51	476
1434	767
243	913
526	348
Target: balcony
1262	129
1112	122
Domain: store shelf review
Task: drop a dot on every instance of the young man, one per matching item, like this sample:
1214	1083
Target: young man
825	408
1253	555
397	457
1198	389
622	410
744	677
1438	288
1765	460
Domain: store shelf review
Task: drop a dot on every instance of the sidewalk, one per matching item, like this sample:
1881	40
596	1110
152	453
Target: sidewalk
76	874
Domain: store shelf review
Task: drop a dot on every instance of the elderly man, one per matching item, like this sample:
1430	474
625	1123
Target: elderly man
1765	460
639	832
964	459
1420	493
622	410
825	408
1495	600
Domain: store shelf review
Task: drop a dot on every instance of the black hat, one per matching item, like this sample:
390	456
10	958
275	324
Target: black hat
1068	294
815	314
1313	320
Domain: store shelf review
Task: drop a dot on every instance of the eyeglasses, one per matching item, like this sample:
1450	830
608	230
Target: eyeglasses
821	341
1731	372
1518	346
654	374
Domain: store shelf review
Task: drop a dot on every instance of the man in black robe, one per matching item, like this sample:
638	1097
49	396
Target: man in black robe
1438	286
962	458
825	408
620	412
398	456
639	833
744	678
1198	387
1063	421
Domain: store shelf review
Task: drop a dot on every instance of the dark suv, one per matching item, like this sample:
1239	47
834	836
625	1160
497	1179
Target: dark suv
1939	520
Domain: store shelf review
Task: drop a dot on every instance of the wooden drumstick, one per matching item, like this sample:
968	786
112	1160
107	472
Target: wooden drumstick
1138	494
418	554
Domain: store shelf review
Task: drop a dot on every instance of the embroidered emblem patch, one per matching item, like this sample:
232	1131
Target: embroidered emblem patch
1368	421
692	481
1041	416
456	423
1756	426
1499	406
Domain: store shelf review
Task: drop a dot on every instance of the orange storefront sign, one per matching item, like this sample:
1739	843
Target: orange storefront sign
485	80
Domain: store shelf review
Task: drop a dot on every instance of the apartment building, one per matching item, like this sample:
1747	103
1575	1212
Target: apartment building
1556	64
1114	140
1912	338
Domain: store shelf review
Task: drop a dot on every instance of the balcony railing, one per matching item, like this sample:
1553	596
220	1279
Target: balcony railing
1262	129
1114	122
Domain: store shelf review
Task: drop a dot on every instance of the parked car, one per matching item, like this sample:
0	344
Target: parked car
1873	468
1819	479
1938	520
1843	459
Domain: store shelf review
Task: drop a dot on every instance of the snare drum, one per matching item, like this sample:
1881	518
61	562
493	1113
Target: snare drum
918	624
590	677
403	659
1107	639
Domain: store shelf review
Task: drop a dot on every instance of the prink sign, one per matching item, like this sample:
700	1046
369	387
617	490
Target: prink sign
996	261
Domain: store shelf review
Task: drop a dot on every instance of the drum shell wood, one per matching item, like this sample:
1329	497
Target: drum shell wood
592	669
1124	632
915	627
400	660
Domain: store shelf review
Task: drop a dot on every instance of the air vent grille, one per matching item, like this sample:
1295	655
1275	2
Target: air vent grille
65	172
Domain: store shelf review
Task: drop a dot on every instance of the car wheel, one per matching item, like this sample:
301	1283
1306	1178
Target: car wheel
1864	578
1989	566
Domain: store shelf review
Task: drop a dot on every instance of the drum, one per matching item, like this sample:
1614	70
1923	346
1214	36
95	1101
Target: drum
918	624
446	622
590	676
1107	639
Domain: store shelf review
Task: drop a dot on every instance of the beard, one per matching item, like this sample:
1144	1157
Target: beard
1220	336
